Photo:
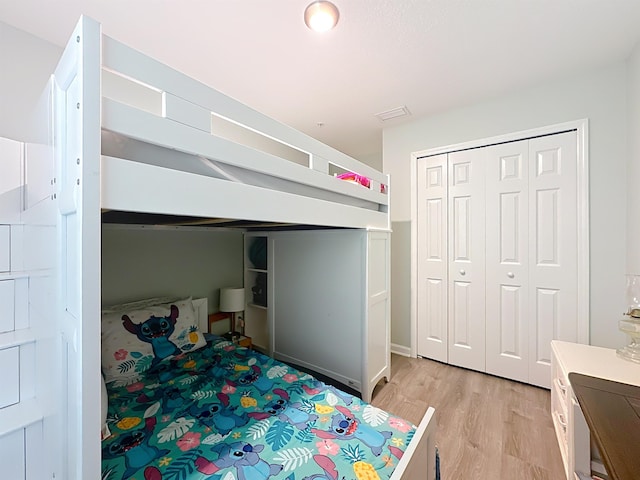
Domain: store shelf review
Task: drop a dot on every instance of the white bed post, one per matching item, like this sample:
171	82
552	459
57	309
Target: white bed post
77	158
376	361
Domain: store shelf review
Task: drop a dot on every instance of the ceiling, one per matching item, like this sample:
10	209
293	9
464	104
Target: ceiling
430	55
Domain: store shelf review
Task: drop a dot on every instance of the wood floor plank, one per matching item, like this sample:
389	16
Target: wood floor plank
488	427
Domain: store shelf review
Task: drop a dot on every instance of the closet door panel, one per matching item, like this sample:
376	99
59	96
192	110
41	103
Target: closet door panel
507	260
432	257
462	315
553	226
466	232
545	325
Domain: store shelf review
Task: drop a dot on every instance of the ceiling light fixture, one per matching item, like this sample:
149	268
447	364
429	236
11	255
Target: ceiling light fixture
321	16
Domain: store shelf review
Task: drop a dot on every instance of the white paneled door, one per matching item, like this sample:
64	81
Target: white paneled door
496	255
507	265
466	231
553	216
433	260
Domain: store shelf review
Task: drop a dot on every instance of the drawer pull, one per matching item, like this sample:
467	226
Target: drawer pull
562	386
562	421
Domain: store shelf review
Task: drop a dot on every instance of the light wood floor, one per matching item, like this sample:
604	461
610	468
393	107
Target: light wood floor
488	427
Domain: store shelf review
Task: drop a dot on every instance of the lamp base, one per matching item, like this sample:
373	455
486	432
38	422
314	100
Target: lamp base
631	327
630	352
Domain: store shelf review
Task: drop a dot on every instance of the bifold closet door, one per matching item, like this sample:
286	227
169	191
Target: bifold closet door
497	259
507	272
433	260
466	229
553	260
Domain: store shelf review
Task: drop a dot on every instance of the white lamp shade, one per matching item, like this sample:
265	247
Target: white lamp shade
232	299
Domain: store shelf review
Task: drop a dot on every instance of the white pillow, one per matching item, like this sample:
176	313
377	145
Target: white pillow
135	340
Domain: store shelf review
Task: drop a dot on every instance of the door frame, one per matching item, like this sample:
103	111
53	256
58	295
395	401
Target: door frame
582	182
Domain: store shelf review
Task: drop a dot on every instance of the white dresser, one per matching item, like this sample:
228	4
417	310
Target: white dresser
570	426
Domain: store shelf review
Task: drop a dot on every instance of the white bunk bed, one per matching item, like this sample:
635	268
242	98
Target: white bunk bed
132	136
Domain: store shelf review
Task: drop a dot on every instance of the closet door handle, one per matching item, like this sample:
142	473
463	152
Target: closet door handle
462	272
510	275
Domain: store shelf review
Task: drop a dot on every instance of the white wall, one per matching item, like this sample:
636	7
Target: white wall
373	160
142	263
599	96
633	165
26	62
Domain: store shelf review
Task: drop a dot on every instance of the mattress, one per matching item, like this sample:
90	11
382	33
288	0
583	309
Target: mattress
226	412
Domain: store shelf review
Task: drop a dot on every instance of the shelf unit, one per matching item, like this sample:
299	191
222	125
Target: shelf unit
257	286
569	423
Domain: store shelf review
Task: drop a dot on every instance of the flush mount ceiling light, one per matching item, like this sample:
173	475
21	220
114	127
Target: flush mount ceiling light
321	16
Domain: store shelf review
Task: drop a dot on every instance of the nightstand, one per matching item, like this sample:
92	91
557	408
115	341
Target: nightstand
219	317
243	341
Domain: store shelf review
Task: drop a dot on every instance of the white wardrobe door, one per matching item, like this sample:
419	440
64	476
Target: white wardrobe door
507	260
552	248
317	308
466	333
432	258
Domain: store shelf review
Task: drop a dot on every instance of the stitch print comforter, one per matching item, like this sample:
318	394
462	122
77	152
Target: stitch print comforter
226	412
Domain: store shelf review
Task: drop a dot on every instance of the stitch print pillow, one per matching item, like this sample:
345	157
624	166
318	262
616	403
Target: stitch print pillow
135	341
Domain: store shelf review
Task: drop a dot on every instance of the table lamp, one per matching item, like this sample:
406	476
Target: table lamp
232	300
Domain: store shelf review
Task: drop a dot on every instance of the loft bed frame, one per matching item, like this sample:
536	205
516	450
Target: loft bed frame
167	122
135	141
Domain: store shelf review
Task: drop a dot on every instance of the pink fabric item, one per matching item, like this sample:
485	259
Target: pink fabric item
355	178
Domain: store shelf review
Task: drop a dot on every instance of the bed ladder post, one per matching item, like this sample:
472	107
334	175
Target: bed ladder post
77	158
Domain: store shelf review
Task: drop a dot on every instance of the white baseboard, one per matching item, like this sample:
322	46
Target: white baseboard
400	350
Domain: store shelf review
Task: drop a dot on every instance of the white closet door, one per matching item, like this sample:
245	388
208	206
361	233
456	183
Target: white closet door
507	260
432	257
466	333
552	248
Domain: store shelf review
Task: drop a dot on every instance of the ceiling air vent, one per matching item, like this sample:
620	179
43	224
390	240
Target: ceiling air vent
393	113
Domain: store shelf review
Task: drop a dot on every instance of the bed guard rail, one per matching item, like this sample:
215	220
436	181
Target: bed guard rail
149	101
